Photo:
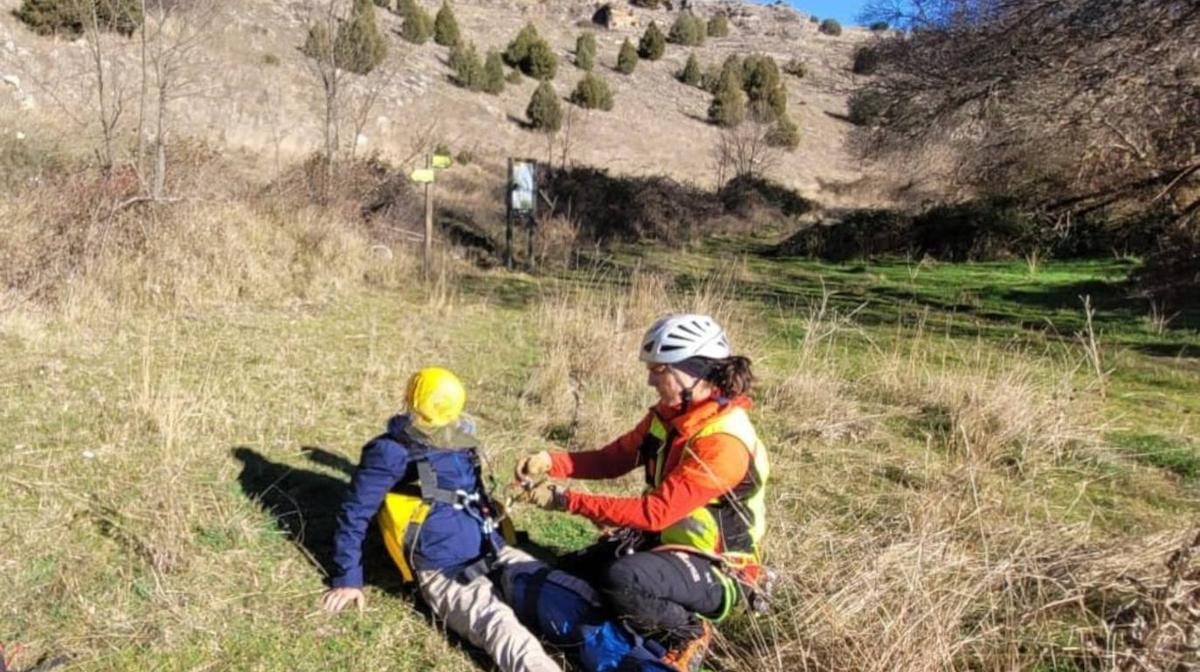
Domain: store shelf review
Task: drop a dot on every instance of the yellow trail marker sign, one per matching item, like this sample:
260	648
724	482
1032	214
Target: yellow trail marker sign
441	161
423	175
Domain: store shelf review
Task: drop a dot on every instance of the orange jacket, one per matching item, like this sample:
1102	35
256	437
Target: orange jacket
712	466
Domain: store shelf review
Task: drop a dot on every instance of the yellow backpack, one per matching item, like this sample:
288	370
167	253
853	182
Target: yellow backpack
403	513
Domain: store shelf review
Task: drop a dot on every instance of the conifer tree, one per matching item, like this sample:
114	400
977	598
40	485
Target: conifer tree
718	25
445	27
518	50
468	70
417	26
493	73
541	62
691	73
652	44
627	58
688	30
359	46
592	93
728	107
544	112
585	51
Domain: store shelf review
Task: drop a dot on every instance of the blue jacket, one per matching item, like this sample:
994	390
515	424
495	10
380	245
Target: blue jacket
450	538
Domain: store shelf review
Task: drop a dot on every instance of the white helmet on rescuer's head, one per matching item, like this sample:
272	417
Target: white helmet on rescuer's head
675	338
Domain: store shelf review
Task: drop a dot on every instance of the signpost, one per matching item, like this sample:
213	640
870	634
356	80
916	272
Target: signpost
521	204
427	176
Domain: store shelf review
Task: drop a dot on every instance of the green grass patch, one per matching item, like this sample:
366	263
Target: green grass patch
1172	454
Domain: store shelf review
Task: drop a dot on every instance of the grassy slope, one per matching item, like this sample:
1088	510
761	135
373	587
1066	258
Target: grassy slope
139	448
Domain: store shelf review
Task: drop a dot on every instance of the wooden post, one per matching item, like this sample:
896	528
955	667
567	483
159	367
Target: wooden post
428	253
529	227
508	217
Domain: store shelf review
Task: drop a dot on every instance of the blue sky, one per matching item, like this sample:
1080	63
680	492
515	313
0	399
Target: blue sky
845	12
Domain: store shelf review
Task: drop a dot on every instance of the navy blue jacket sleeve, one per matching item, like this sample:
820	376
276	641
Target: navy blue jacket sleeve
382	466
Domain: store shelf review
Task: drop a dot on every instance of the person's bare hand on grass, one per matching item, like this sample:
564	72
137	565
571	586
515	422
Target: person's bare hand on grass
336	599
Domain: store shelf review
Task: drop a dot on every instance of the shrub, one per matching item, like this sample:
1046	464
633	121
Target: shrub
879	26
728	107
784	134
533	55
777	102
866	61
544	112
518	50
652	44
585	51
468	69
831	27
764	87
718	25
759	73
359	46
731	68
70	17
691	73
711	78
979	230
493	73
627	58
796	68
513	77
866	107
592	93
418	26
813	19
445	27
688	30
318	44
541	63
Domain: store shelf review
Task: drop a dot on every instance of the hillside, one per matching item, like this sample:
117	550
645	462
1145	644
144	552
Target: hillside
251	89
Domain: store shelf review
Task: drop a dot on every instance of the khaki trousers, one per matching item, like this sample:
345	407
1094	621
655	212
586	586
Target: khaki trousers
477	612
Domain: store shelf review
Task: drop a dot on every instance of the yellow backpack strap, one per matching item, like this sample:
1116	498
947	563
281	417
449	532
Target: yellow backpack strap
400	521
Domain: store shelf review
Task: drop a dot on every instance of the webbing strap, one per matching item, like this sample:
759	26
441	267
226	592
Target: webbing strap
481	567
409	545
430	490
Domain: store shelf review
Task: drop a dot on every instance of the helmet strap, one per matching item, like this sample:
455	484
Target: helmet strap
686	395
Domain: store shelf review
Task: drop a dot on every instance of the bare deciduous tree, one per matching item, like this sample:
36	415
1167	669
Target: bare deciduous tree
1073	106
111	89
172	38
743	152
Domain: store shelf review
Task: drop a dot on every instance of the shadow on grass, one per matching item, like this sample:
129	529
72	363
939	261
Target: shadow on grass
305	506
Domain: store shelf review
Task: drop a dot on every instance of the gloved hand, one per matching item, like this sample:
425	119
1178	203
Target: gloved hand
549	496
532	466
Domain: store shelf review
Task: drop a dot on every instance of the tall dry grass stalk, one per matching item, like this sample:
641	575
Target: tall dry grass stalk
587	385
811	396
91	259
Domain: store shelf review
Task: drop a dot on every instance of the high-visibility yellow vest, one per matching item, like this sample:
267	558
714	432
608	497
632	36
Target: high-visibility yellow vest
732	524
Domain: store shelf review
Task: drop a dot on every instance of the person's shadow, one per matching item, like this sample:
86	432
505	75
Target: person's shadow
305	506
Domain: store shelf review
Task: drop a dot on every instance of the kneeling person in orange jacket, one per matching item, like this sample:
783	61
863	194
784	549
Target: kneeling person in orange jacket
667	571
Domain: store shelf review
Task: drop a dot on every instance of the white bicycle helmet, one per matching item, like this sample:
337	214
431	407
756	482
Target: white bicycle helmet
675	338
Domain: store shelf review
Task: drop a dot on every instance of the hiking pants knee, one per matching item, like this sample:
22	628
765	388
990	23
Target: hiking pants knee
478	613
661	592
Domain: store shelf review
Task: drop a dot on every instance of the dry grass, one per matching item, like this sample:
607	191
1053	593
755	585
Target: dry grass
938	503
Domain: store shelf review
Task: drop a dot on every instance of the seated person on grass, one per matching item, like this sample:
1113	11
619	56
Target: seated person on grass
423	478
